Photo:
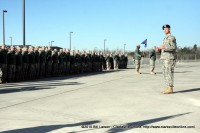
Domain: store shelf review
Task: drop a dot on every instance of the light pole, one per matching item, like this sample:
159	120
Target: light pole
70	40
51	43
104	45
10	40
4	11
124	48
23	20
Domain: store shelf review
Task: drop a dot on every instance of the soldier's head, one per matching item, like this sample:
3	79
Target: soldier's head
138	46
64	50
25	49
49	48
166	29
55	50
36	48
12	48
3	46
154	47
19	49
46	49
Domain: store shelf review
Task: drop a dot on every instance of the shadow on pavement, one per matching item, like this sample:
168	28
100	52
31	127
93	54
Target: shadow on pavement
12	88
49	128
55	79
132	125
183	72
46	83
190	90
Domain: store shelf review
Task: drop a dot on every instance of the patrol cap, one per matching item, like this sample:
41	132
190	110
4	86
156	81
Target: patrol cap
165	26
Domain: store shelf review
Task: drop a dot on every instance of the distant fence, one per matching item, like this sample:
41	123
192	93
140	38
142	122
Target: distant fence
146	61
180	58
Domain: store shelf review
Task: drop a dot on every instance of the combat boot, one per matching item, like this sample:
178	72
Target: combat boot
164	90
137	72
153	73
169	90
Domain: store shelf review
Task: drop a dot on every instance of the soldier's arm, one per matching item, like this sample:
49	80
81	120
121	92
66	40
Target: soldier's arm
172	45
137	53
151	54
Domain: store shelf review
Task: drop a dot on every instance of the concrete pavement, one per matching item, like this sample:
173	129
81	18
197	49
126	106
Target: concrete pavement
110	101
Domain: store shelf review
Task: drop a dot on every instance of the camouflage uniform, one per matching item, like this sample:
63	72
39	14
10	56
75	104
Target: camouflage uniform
43	57
60	63
25	66
152	56
103	61
77	63
19	66
48	66
64	63
168	57
83	64
11	66
138	56
111	62
108	64
116	62
72	64
54	63
121	64
3	65
125	61
68	63
31	70
89	62
37	63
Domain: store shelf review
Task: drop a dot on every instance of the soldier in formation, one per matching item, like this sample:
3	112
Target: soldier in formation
29	63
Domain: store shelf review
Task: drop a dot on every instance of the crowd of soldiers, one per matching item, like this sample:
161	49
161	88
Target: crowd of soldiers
28	63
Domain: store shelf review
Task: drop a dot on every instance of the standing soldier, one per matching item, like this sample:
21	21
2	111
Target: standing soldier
31	55
108	65
152	56
60	62
3	64
111	61
83	65
43	57
77	62
90	61
168	52
125	61
11	65
138	56
37	62
19	64
68	62
116	62
48	66
121	66
25	66
64	62
72	62
55	62
103	61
